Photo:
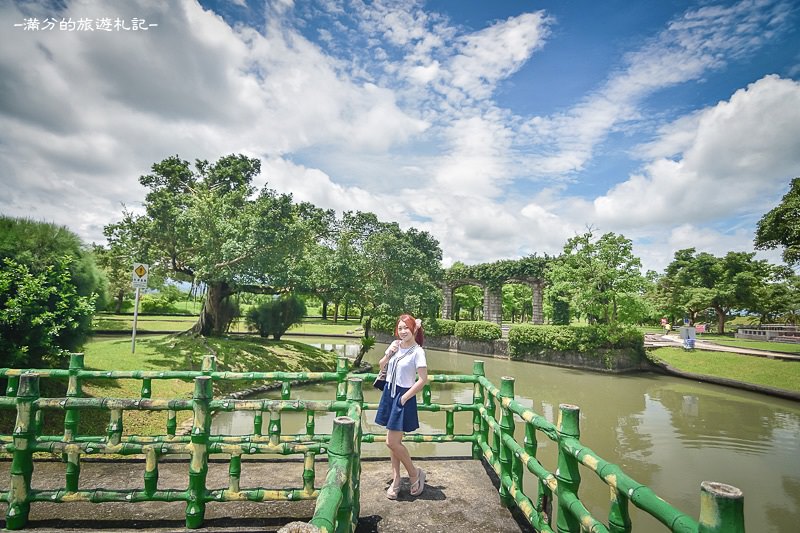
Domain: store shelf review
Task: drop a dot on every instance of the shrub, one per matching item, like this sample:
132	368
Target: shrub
42	316
439	327
276	316
381	323
526	338
478	330
157	304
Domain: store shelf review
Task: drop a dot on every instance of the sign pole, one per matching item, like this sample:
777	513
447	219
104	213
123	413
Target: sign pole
139	281
135	318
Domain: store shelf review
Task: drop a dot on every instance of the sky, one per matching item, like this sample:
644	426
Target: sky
503	128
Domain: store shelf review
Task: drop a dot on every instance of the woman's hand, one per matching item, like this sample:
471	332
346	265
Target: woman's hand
393	347
403	400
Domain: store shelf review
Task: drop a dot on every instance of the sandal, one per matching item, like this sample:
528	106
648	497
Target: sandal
393	491
419	485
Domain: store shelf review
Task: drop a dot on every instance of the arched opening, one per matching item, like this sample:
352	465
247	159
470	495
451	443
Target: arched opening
517	302
468	302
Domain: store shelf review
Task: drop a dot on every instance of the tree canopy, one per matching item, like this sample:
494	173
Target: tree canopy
781	226
596	274
695	281
209	224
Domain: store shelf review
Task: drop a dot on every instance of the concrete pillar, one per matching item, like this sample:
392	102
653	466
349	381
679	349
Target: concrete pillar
447	305
493	305
537	316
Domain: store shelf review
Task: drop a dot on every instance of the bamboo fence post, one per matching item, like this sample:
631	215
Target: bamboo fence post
286	390
544	494
342	367
568	473
147	388
721	508
274	427
331	497
355	395
209	364
234	472
198	464
12	385
426	394
619	518
310	422
506	428
491	411
309	475
150	470
71	421
19	505
478	425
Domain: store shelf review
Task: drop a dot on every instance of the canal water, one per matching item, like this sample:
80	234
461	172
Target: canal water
666	432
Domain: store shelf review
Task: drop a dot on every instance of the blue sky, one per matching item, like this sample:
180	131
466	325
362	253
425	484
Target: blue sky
503	128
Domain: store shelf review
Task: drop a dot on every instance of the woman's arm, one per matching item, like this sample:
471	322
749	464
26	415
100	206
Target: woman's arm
422	379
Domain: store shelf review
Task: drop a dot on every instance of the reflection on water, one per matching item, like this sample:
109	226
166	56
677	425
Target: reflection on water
668	433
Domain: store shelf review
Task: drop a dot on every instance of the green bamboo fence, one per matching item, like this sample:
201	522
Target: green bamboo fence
493	413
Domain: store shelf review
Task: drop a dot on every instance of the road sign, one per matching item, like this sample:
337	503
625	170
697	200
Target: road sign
139	275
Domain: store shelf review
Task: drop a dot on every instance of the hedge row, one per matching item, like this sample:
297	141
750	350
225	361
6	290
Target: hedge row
478	330
526	338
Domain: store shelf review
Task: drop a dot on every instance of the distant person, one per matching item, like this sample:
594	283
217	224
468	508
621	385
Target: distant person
406	374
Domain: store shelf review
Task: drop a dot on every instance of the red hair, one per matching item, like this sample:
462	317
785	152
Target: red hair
411	324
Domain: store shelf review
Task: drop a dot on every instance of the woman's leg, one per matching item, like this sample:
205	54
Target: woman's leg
399	453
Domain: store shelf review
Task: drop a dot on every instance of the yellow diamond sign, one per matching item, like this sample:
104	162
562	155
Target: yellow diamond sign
139	276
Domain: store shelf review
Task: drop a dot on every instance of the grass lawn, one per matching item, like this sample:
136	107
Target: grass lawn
784	347
166	323
746	368
317	326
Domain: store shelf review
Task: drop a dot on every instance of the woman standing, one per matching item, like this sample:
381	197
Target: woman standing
406	374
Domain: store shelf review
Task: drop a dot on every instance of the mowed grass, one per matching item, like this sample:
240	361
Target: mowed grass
166	323
783	347
746	368
317	326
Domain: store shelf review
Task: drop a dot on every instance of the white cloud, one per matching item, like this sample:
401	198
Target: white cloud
493	54
692	45
731	158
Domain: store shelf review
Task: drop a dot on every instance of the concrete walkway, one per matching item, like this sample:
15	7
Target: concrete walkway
459	494
672	340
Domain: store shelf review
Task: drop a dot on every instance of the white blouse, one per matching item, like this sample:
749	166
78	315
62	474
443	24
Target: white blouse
402	368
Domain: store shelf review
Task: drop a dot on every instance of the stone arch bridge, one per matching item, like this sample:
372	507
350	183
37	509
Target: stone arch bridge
493	298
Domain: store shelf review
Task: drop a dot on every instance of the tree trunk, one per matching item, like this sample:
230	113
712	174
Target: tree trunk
211	322
720	319
346	309
335	312
118	305
324	309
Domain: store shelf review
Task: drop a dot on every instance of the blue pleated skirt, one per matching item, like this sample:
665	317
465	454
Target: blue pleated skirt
394	416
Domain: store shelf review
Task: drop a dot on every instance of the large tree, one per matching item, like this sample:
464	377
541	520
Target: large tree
595	274
210	225
399	271
694	282
781	226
